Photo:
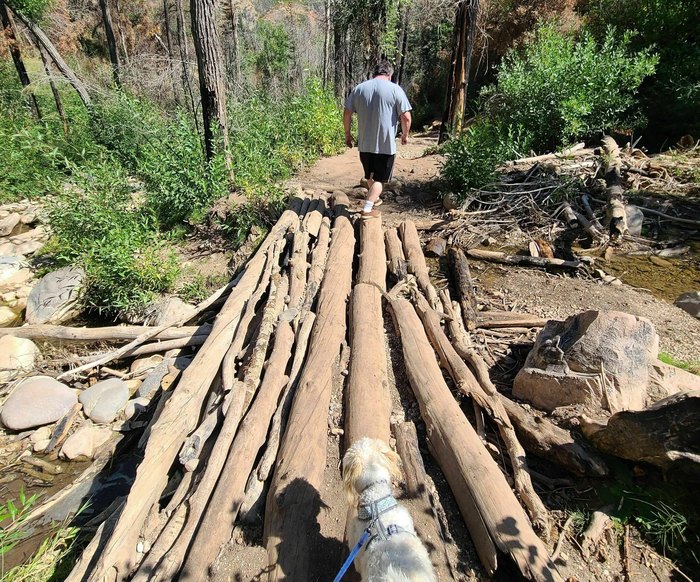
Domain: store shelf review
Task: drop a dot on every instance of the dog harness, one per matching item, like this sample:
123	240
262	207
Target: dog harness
372	512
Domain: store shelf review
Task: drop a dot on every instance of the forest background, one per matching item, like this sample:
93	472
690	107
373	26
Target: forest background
131	118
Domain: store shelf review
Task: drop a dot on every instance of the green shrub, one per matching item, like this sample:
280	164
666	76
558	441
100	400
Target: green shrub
671	99
104	226
471	158
165	152
560	88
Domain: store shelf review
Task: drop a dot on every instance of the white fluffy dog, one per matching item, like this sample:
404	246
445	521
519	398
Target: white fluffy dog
393	553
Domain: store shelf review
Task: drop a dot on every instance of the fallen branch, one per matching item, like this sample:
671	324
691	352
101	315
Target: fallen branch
103	334
499	257
416	261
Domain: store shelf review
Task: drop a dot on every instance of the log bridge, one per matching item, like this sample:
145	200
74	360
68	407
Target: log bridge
257	395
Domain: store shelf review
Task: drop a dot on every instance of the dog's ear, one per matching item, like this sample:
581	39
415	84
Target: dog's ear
393	461
352	469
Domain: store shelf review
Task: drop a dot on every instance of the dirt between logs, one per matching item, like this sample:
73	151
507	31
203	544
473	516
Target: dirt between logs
521	289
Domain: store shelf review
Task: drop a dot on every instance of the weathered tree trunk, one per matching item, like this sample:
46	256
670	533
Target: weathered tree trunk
420	487
217	523
416	261
367	397
327	26
545	439
13	45
211	85
487	399
235	42
666	434
180	415
489	507
184	61
496	319
615	210
293	501
97	334
499	257
462	281
396	260
111	41
54	90
61	65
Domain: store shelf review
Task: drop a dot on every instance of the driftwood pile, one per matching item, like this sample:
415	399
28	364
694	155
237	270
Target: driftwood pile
582	191
244	430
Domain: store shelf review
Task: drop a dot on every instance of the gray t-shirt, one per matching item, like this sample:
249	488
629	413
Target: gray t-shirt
378	104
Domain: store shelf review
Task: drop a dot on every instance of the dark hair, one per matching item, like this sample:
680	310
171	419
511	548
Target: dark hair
383	67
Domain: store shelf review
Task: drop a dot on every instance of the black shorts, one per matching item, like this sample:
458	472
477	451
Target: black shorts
379	167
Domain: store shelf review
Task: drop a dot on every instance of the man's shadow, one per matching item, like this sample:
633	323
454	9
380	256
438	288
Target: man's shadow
304	554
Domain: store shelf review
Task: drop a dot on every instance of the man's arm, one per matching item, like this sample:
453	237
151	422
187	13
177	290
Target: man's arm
347	124
405	126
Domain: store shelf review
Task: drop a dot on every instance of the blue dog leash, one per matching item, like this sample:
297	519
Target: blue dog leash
356	550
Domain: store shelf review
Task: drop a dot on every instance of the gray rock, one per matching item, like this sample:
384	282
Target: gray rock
10	266
690	302
135	407
168	310
37	401
28	248
17	355
599	360
436	247
151	383
8	223
635	219
55	299
8	317
85	441
103	401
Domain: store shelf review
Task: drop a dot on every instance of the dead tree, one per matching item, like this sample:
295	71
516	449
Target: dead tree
211	84
8	26
54	90
111	41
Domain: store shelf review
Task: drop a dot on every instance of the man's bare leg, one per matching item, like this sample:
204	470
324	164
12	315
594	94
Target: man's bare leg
375	190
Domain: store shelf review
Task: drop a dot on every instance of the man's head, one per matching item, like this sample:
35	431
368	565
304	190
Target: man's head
383	69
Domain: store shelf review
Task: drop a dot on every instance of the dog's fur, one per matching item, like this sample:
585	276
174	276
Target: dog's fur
368	467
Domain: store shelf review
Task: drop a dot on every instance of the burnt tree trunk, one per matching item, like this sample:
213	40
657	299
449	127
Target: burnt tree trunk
111	41
211	86
8	26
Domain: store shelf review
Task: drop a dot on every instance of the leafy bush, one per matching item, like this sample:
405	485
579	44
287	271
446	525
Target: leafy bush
559	88
166	153
671	100
471	158
100	224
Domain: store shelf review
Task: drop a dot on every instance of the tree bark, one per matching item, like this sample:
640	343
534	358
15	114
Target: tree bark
211	85
294	500
61	65
489	507
416	261
13	45
111	41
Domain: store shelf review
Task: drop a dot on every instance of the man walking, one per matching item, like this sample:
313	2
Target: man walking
379	105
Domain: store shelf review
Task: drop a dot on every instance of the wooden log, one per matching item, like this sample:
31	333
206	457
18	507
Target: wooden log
101	334
499	257
569	215
419	486
180	414
666	434
462	280
489	507
499	319
545	439
488	401
397	264
416	261
318	263
367	397
217	523
372	267
577	148
293	501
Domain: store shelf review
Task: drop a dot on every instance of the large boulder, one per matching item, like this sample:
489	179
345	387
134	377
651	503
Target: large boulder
35	402
104	400
17	355
690	302
599	360
56	298
168	310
